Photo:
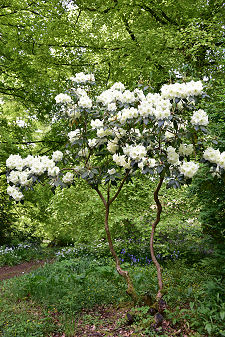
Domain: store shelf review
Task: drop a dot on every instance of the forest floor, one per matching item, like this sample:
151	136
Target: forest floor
7	272
108	321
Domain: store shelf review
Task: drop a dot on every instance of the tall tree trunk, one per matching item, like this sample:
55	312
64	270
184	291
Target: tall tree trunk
155	223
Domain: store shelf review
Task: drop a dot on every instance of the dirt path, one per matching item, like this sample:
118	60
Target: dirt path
8	272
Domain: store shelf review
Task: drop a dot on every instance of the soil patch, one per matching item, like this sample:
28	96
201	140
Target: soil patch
8	272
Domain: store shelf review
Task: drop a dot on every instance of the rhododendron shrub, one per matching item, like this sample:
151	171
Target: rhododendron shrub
120	133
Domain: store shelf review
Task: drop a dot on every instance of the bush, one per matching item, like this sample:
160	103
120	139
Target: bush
210	193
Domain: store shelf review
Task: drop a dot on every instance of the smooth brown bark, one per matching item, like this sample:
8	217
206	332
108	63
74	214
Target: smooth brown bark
155	223
124	273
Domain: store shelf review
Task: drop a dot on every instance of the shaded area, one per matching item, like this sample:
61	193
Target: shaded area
8	272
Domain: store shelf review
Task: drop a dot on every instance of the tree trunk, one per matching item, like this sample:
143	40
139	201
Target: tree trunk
155	223
130	288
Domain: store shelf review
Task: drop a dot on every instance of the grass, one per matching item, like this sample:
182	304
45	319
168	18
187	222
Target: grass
12	255
55	297
39	303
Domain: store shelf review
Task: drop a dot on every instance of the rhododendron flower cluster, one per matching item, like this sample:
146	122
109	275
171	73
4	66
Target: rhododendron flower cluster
200	117
133	130
68	178
22	170
182	90
172	156
189	169
214	156
186	150
63	98
83	78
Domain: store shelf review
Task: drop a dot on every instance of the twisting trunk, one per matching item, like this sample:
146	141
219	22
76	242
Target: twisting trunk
155	223
123	273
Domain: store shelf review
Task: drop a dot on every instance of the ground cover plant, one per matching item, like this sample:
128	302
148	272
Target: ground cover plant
12	255
73	294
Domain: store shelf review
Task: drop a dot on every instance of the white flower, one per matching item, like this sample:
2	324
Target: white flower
127	113
145	109
169	135
92	142
151	162
81	92
111	107
160	113
73	135
14	193
85	102
135	152
186	150
121	160
101	133
172	156
139	93
127	97
24	181
118	86
182	90
112	171
112	145
82	78
97	123
57	156
222	160
200	117
189	169
63	98
53	171
15	161
13	177
212	155
119	132
68	178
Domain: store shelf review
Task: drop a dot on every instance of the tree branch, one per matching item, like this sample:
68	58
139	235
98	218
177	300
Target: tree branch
128	29
101	195
120	187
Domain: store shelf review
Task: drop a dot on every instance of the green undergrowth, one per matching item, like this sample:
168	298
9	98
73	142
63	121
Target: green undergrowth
29	304
24	252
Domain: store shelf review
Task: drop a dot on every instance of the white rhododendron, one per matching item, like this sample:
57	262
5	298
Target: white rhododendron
212	155
222	160
112	171
92	142
14	161
182	90
83	78
15	193
96	124
121	160
85	102
57	156
134	130
135	152
74	135
172	156
189	169
68	178
186	150
112	145
63	98
200	117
